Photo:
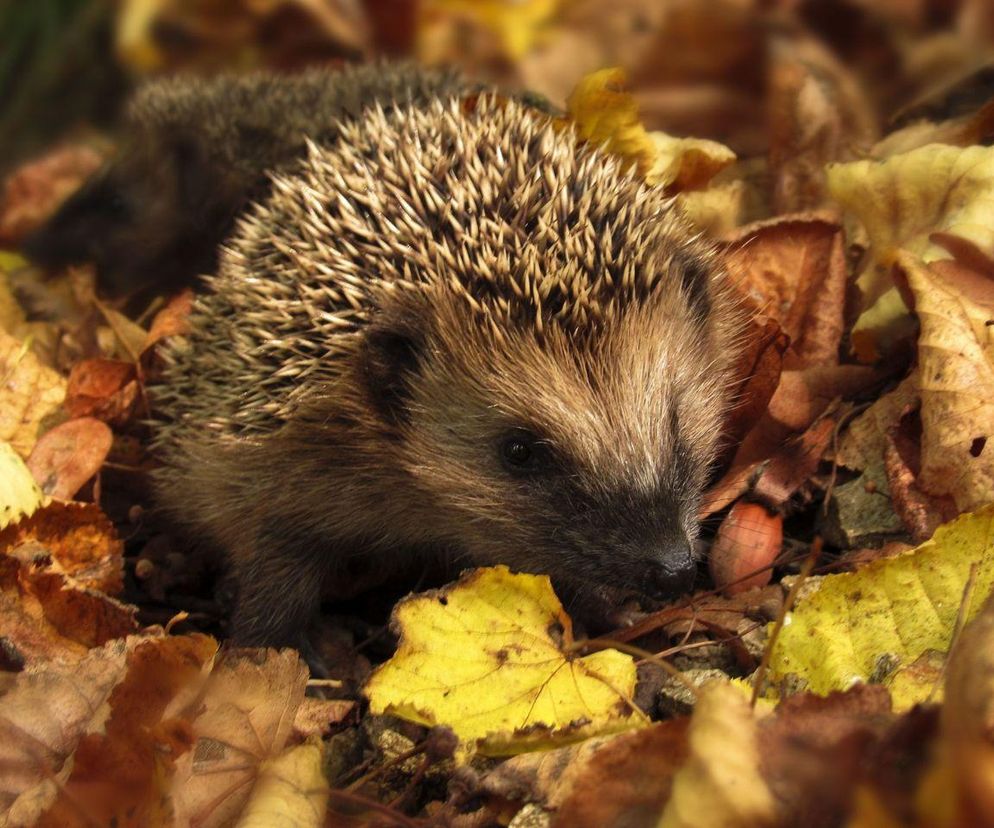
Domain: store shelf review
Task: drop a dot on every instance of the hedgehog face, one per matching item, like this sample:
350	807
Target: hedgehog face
580	456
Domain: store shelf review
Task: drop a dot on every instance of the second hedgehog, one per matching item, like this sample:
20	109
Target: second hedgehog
452	332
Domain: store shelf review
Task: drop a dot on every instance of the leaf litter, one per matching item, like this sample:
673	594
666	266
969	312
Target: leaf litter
836	153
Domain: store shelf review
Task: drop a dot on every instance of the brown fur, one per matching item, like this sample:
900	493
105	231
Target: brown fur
357	371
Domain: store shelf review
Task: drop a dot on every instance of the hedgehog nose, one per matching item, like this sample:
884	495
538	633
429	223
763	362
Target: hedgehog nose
673	574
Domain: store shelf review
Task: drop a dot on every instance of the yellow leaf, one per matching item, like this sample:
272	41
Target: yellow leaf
722	769
893	607
606	114
491	657
955	379
29	393
19	494
290	792
901	202
683	164
518	26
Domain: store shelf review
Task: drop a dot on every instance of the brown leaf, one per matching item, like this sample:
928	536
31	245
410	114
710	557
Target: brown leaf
69	455
120	776
626	781
102	388
244	717
43	715
811	750
758	366
79	537
34	191
963	766
171	320
46	615
793	269
818	114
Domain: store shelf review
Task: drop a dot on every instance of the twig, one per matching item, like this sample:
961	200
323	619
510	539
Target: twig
760	676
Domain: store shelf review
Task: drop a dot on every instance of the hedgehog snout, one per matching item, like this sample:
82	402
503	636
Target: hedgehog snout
671	572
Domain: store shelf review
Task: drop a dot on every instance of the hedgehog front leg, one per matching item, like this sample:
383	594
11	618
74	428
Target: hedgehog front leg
279	594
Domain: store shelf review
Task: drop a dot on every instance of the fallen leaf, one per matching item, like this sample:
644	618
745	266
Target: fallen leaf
19	494
30	394
69	455
605	114
901	202
811	752
44	713
79	537
102	388
955	380
243	718
33	192
120	775
818	113
515	28
290	791
720	784
685	164
967	734
516	684
895	607
172	320
793	269
623	779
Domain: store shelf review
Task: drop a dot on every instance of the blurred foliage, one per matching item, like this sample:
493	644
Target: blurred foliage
56	70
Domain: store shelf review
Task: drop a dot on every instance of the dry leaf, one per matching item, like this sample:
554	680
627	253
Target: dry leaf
19	494
43	715
793	269
79	537
34	191
902	202
720	785
243	718
955	379
69	455
120	774
291	791
30	394
102	388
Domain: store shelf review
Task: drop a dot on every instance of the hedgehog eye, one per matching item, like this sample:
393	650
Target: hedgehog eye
519	451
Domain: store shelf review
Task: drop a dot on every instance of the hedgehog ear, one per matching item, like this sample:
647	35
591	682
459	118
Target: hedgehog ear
389	358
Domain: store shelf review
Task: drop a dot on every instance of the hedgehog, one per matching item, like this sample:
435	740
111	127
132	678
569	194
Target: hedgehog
195	153
456	332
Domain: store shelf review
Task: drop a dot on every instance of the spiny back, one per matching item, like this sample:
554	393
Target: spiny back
492	201
260	120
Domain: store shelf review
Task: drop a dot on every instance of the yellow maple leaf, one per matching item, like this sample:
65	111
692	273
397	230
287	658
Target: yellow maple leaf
895	608
901	202
606	114
491	657
19	494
